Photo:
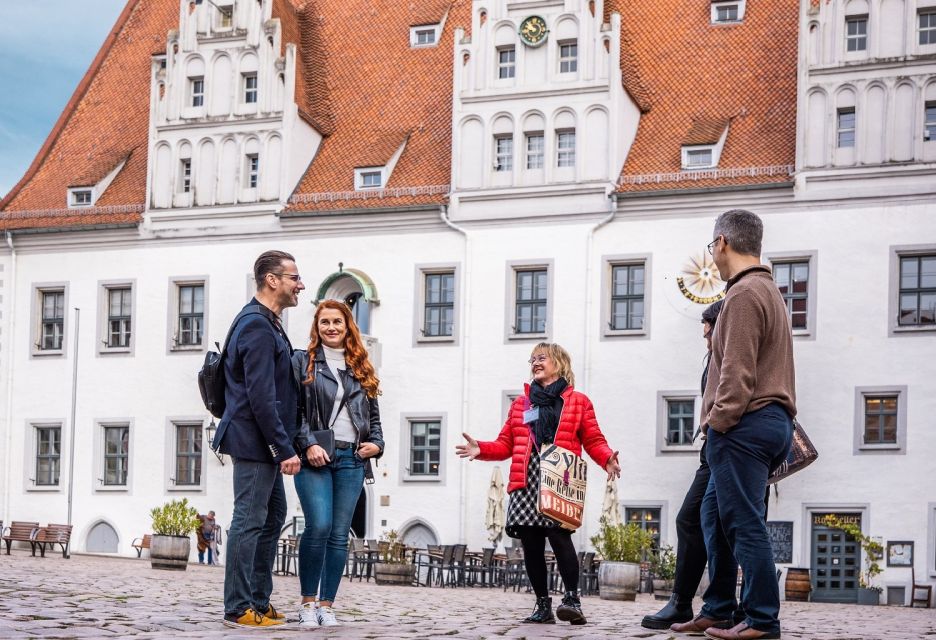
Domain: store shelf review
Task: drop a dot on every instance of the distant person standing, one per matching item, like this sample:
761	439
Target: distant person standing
257	430
206	534
748	409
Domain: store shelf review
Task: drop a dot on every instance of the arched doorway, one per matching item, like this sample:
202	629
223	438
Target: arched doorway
355	289
102	538
418	534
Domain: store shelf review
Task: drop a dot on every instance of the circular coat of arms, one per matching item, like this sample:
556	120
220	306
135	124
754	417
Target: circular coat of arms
533	31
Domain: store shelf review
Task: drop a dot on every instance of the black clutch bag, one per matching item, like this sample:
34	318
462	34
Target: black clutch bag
802	454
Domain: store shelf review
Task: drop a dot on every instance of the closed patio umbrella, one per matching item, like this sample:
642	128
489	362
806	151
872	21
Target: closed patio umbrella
495	517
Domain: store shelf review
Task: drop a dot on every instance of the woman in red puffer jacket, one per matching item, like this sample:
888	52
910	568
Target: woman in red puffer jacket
550	411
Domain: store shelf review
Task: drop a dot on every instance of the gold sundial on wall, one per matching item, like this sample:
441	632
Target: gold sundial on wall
699	280
533	31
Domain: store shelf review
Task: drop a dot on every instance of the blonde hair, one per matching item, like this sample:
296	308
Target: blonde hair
559	356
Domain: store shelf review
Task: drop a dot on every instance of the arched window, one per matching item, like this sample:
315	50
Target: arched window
102	538
355	289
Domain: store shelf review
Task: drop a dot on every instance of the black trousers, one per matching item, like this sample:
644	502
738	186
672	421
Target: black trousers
533	540
690	546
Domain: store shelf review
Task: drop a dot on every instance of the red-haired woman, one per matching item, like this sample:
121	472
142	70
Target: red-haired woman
341	426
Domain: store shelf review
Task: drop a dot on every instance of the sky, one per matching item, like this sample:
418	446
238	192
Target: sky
45	48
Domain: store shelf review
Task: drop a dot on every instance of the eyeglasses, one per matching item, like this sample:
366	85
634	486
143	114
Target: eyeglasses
540	359
711	245
295	277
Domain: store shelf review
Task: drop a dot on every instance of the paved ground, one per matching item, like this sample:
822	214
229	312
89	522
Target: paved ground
93	597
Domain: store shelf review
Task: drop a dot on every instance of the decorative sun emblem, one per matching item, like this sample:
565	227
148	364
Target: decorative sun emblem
533	31
700	281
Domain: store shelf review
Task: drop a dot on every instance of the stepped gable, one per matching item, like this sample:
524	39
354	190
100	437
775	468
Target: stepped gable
682	70
106	120
383	91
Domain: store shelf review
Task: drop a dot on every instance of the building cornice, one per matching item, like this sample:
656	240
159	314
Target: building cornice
904	64
498	95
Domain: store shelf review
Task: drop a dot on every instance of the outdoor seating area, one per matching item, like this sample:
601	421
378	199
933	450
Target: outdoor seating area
39	538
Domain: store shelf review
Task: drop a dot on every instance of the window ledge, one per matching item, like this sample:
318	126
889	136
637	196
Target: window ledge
912	330
680	449
48	353
801	333
194	348
112	488
624	333
44	489
436	339
890	448
191	488
528	336
106	351
407	478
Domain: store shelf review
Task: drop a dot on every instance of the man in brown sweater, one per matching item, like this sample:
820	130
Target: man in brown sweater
748	409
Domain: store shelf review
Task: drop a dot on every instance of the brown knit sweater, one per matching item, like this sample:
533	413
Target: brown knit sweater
752	352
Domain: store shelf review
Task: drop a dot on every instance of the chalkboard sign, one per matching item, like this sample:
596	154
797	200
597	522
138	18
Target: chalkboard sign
781	541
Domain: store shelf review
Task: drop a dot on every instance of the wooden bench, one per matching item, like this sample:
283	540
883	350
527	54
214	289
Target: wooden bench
51	535
21	532
142	543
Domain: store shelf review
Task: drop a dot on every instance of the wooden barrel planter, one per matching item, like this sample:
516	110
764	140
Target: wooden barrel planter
395	574
170	552
618	580
797	585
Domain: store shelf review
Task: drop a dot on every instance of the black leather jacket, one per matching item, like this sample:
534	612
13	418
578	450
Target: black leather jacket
317	400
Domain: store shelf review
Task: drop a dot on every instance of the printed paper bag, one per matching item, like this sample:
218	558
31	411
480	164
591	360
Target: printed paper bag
562	486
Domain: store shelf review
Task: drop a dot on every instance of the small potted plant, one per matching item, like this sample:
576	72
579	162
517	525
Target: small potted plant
621	548
392	566
173	524
869	593
663	567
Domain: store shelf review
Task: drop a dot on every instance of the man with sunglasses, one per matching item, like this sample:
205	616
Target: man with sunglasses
258	430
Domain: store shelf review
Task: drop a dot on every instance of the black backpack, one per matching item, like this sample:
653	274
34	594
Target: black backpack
211	374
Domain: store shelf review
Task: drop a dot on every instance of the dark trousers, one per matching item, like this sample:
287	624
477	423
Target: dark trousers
259	514
733	516
533	540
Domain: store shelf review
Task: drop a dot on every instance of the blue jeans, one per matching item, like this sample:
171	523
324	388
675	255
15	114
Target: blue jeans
733	516
259	514
328	495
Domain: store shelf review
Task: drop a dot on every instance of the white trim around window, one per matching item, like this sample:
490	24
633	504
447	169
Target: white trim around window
98	480
721	12
47	341
176	284
663	405
370	178
507	398
425	36
811	257
510	328
662	505
423	271
31	452
171	481
108	344
608	263
893	294
81	197
896	448
407	420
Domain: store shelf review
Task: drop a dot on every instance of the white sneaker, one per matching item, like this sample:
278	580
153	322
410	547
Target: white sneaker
326	617
308	617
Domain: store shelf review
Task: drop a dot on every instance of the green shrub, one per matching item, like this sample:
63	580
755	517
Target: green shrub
873	550
175	518
663	563
622	542
392	549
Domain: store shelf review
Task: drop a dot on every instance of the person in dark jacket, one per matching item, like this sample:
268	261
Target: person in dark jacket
257	430
341	425
550	411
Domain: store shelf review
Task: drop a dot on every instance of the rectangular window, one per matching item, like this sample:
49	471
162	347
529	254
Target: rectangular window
647	518
185	175
927	29
568	57
48	455
503	150
81	198
792	279
506	62
371	179
627	297
191	314
52	329
424	37
188	454
565	149
250	88
680	421
929	121
698	158
917	291
845	130
119	309
726	13
253	170
198	91
856	33
880	426
531	292
116	455
439	313
535	145
225	16
425	448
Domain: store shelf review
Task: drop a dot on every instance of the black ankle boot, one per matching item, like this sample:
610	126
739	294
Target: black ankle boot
542	614
571	609
678	609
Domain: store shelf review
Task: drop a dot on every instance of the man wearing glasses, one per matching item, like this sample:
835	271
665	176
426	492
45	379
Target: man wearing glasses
257	430
748	408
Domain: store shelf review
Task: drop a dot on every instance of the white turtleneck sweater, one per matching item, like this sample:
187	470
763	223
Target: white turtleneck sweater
341	424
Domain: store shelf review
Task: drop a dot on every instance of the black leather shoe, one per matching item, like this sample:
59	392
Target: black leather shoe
542	613
571	609
677	610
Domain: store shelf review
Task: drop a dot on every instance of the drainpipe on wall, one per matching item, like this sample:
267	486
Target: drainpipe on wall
466	370
8	355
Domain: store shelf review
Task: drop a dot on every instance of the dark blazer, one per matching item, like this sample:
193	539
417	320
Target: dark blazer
261	394
318	400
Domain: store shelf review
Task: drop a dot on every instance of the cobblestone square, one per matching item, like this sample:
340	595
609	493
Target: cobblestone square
97	597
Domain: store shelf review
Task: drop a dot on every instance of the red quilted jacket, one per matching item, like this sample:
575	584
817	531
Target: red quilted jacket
577	426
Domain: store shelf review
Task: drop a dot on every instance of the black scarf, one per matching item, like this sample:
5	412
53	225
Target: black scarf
549	401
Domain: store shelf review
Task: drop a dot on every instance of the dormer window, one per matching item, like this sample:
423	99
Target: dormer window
197	89
700	158
703	144
80	197
424	35
369	178
727	12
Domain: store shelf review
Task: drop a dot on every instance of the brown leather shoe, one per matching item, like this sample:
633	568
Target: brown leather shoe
740	632
698	625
